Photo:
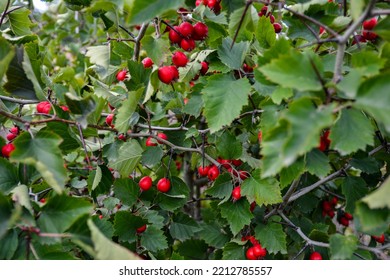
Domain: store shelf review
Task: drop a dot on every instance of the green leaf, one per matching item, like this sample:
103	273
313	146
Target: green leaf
214	235
368	63
233	251
32	67
357	8
233	57
368	165
21	195
289	174
156	48
82	107
371	221
224	98
99	55
97	178
188	72
153	239
8	245
317	163
249	22
354	188
176	197
127	191
193	249
263	191
20	22
383	28
295	70
70	141
194	106
353	131
228	146
126	224
7	53
5	214
183	227
237	214
126	111
265	33
222	187
281	94
380	198
105	249
144	11
43	153
272	237
60	212
342	247
152	156
373	98
130	154
8	176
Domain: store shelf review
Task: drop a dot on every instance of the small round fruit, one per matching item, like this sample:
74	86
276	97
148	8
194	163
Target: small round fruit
175	72
344	221
179	59
348	216
145	183
315	256
165	74
147	62
7	149
259	251
162	136
250	254
121	75
149	142
201	31
252	207
187	44
203	171
213	173
379	239
163	185
141	229
368	35
186	29
11	136
205	68
109	120
174	36
277	27
211	3
370	24
14	130
236	193
326	206
44	107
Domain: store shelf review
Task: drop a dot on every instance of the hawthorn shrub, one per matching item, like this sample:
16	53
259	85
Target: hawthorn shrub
195	130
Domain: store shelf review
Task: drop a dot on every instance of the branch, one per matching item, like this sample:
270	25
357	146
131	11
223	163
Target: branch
137	47
378	12
19	101
5	13
248	3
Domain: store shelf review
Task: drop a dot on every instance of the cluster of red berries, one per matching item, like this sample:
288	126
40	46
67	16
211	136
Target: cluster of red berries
328	207
367	33
185	34
7	149
324	141
267	13
150	141
163	185
44	107
214	5
211	171
345	218
256	251
380	239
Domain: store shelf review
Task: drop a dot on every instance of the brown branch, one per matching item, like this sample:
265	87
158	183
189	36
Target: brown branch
137	47
19	101
4	13
247	5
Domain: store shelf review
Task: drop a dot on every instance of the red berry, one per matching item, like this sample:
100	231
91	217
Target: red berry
263	11
213	173
149	142
331	214
44	107
205	68
260	136
14	130
247	68
64	108
179	59
121	75
236	193
368	35
174	36
42	200
348	216
163	185
165	74
11	136
141	229
236	162
186	29
203	171
259	251
326	206
109	120
175	72
201	31
147	62
243	174
7	149
370	24
253	206
162	136
187	44
334	201
211	3
315	256
379	239
122	137
344	221
271	18
100	217
198	2
250	254
145	183
277	27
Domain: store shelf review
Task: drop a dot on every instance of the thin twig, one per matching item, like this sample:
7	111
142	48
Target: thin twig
4	13
137	47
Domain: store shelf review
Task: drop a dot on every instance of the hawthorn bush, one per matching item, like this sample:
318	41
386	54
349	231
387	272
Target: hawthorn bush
195	129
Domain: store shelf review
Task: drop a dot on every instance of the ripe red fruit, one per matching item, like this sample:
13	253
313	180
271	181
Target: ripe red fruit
263	11
145	183
64	108
201	31
259	251
186	29
370	24
44	107
203	171
179	59
277	27
11	136
14	130
260	136
211	3
315	256
122	137
334	201
348	216
141	229
331	214
379	239
344	221
213	173
165	74
187	44
198	2
174	36
236	162
243	174
271	18
163	185
162	136
250	254
368	35
247	68
326	206
100	217
175	72
236	193
7	149
147	62
109	120
121	75
149	142
205	68
42	200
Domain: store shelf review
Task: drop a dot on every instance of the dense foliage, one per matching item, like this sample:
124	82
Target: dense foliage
188	129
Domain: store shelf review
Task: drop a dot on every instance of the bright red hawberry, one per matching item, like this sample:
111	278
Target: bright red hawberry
14	130
203	171
149	142
186	29
259	251
205	68
44	107
250	254
165	74
162	136
187	44
200	32
174	36
145	183
141	229
379	239
348	216
163	185
11	136
213	173
147	62
7	149
344	221
121	75
277	27
315	256
236	193
179	59
109	120
370	24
